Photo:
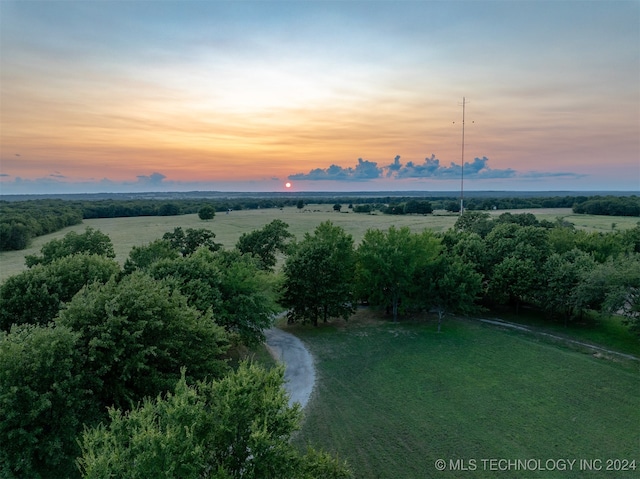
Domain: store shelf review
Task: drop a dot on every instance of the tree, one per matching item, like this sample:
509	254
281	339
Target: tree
522	219
449	284
470	248
624	296
516	259
300	204
90	242
227	283
474	222
207	212
337	207
136	334
417	207
187	243
514	280
169	209
14	235
36	295
387	264
319	276
613	287
43	402
452	206
266	243
238	426
141	257
562	276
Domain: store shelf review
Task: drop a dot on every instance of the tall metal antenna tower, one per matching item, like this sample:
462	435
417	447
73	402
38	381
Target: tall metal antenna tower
464	100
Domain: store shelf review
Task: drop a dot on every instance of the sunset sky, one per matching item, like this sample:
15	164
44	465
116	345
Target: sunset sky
118	96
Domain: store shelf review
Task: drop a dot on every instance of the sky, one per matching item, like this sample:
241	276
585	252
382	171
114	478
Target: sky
130	96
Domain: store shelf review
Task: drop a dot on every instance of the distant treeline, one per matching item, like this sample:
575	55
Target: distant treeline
24	220
609	205
20	221
591	205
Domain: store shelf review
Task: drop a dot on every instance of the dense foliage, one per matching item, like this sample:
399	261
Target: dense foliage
226	283
36	295
44	402
609	205
266	243
388	262
22	221
238	426
318	276
187	242
90	242
136	334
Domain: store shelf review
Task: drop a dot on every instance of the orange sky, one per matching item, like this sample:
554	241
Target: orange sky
251	94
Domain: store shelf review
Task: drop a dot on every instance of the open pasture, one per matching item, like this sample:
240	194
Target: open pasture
128	232
392	399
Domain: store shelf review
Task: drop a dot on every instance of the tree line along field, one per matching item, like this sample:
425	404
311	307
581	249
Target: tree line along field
137	231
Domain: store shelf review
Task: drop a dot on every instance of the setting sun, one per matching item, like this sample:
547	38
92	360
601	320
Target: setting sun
288	185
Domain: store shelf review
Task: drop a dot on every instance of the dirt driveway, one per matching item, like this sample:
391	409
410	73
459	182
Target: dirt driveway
299	373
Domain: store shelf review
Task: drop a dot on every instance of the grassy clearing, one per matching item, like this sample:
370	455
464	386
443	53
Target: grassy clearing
128	232
394	398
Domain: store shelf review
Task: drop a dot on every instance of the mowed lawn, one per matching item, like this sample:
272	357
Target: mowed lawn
394	398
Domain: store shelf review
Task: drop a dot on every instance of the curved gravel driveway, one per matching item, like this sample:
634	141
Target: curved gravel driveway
299	373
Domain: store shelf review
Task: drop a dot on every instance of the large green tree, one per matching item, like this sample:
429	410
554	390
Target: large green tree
44	402
187	242
266	243
478	222
387	264
36	295
449	284
91	242
141	257
470	248
135	336
563	274
623	296
227	283
613	287
516	258
319	276
207	212
237	427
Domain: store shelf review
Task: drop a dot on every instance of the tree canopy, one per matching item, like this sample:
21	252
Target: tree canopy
237	426
44	401
266	243
228	284
91	242
136	334
388	263
206	213
187	242
319	276
36	295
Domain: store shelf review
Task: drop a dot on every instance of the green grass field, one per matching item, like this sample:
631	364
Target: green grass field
394	398
128	232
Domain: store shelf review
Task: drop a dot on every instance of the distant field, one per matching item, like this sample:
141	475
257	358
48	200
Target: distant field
393	398
128	232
